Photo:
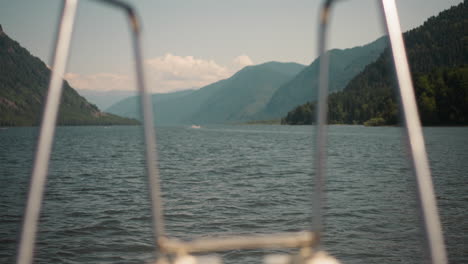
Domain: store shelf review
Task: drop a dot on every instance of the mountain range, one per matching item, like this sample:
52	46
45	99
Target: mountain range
24	81
260	92
231	100
438	56
105	99
361	83
344	65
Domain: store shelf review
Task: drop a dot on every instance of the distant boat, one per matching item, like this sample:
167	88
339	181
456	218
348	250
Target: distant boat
195	126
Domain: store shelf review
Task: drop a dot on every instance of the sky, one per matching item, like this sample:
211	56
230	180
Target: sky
192	43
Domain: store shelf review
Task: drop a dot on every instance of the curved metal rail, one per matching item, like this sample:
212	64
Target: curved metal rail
164	245
49	120
46	134
305	239
413	128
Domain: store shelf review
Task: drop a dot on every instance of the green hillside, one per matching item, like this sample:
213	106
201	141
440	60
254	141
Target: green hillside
438	56
344	65
246	93
23	85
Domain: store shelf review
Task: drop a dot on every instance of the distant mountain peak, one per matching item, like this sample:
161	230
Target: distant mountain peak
235	99
277	63
1	30
344	65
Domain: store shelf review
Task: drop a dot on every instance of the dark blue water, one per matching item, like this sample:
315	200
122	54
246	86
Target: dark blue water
231	180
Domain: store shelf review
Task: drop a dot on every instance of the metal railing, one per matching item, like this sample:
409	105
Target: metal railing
44	147
417	151
305	240
280	240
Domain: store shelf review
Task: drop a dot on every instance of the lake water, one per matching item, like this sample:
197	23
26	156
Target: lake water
231	180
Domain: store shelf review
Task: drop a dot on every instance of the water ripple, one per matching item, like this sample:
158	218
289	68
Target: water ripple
225	180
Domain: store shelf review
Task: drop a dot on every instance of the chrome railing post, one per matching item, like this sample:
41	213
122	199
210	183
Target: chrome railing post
415	136
148	123
426	197
46	134
321	120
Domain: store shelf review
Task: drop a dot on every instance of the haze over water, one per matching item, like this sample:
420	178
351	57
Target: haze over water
221	180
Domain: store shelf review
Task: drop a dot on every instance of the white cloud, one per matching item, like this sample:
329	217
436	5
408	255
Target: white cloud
167	73
242	61
101	82
172	73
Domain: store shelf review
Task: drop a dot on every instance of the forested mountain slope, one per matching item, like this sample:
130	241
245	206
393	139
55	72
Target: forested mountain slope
344	65
438	56
24	81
